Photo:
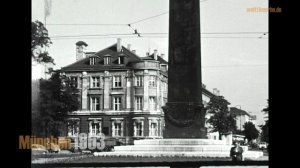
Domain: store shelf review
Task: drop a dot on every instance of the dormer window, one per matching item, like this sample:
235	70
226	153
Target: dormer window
93	60
106	60
121	60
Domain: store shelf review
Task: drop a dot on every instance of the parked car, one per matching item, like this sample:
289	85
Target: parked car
262	145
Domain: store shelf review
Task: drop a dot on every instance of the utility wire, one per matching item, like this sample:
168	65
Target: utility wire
84	24
135	22
221	33
230	66
89	35
134	36
157	34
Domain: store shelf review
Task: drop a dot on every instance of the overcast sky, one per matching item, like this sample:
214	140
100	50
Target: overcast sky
235	62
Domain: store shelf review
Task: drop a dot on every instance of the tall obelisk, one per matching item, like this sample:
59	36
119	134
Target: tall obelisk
184	112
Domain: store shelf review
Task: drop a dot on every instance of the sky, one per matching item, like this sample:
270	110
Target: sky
234	49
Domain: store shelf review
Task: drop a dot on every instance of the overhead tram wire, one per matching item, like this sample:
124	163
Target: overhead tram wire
215	33
151	17
161	35
236	66
86	24
134	36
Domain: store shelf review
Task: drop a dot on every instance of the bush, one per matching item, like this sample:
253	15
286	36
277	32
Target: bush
254	145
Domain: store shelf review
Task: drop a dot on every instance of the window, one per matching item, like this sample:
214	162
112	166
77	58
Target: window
106	60
74	81
117	129
105	130
95	82
121	60
95	104
117	103
117	81
153	130
95	128
93	60
73	127
152	103
165	86
138	127
152	81
139	103
163	67
139	81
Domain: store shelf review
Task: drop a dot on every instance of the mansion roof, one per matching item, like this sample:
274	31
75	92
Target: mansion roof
111	51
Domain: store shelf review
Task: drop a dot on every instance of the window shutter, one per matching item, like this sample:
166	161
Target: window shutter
134	127
112	128
90	102
90	81
113	82
90	128
121	128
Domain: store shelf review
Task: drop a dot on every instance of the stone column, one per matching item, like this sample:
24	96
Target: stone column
184	112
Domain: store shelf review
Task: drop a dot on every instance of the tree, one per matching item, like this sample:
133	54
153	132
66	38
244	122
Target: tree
265	132
266	109
39	41
58	97
250	131
222	120
265	127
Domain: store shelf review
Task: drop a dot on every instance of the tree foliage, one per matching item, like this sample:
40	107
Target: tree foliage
58	96
265	132
39	41
222	120
266	109
265	127
250	131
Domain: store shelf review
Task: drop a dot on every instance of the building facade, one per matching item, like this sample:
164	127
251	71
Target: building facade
121	94
206	97
241	117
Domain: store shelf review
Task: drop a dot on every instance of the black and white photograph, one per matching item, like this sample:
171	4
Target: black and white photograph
149	83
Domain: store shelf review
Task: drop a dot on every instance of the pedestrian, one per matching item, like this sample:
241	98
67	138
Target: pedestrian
236	152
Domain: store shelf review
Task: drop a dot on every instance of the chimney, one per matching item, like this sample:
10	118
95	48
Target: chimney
119	46
128	46
162	56
134	51
215	91
155	54
80	47
147	54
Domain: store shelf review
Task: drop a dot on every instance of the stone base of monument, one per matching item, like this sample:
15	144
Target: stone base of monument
202	148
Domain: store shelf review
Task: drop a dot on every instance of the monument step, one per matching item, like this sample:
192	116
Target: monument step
163	154
179	142
183	148
253	155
